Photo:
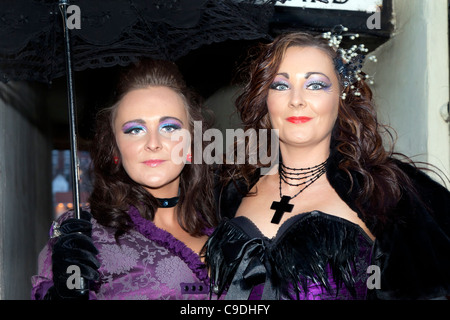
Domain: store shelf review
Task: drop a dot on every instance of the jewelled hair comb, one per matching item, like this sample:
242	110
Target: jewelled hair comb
349	61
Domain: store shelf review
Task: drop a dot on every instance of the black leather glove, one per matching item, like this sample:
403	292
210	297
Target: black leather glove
74	247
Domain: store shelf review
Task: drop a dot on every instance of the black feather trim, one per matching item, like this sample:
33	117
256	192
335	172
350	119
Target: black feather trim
307	248
313	242
221	271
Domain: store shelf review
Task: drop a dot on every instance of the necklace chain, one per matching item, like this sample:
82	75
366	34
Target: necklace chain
305	176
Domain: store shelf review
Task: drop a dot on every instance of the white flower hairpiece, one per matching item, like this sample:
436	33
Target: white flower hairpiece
349	61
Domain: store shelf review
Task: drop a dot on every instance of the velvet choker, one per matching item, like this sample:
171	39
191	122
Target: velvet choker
167	202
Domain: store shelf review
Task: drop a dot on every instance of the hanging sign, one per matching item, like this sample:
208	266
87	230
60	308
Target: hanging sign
348	5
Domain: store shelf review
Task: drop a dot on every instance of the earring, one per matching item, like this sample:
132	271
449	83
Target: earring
116	159
189	158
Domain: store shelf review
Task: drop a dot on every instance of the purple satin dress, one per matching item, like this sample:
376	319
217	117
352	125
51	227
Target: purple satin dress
149	264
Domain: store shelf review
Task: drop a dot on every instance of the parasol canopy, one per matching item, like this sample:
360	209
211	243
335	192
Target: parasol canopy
117	32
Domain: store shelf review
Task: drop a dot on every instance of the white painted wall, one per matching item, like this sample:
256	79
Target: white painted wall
25	188
412	80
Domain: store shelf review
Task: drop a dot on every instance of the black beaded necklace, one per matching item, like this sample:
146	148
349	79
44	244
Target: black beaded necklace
304	176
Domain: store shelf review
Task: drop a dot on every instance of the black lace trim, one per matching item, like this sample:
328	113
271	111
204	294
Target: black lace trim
118	32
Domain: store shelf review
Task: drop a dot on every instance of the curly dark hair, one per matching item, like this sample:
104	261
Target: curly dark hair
357	134
114	191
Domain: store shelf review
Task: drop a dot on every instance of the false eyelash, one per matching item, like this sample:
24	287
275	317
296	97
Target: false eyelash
274	85
321	83
170	125
129	130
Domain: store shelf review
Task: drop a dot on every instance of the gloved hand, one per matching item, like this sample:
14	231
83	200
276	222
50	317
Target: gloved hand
74	247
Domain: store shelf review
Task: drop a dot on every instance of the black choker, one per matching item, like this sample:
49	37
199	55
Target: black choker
304	176
167	202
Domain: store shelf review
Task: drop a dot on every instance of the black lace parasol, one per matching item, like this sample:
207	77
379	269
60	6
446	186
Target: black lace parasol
118	32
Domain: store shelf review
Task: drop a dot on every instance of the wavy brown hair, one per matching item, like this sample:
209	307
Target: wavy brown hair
357	134
114	191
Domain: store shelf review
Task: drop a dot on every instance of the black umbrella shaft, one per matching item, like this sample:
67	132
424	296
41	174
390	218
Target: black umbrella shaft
72	115
84	285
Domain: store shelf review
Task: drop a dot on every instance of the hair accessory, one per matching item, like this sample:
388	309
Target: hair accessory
349	61
116	159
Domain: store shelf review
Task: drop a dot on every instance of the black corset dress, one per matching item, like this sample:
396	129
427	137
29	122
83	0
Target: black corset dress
314	256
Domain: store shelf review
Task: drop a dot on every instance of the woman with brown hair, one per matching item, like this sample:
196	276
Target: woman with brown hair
151	212
339	217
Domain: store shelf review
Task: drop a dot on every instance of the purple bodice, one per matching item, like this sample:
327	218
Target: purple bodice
147	264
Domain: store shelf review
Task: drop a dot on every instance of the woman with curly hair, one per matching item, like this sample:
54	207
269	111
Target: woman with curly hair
150	212
339	217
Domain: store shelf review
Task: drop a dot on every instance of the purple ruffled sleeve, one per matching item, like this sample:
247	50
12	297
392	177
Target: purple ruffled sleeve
43	280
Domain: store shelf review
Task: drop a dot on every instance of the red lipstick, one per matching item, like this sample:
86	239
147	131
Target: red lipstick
298	120
153	162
